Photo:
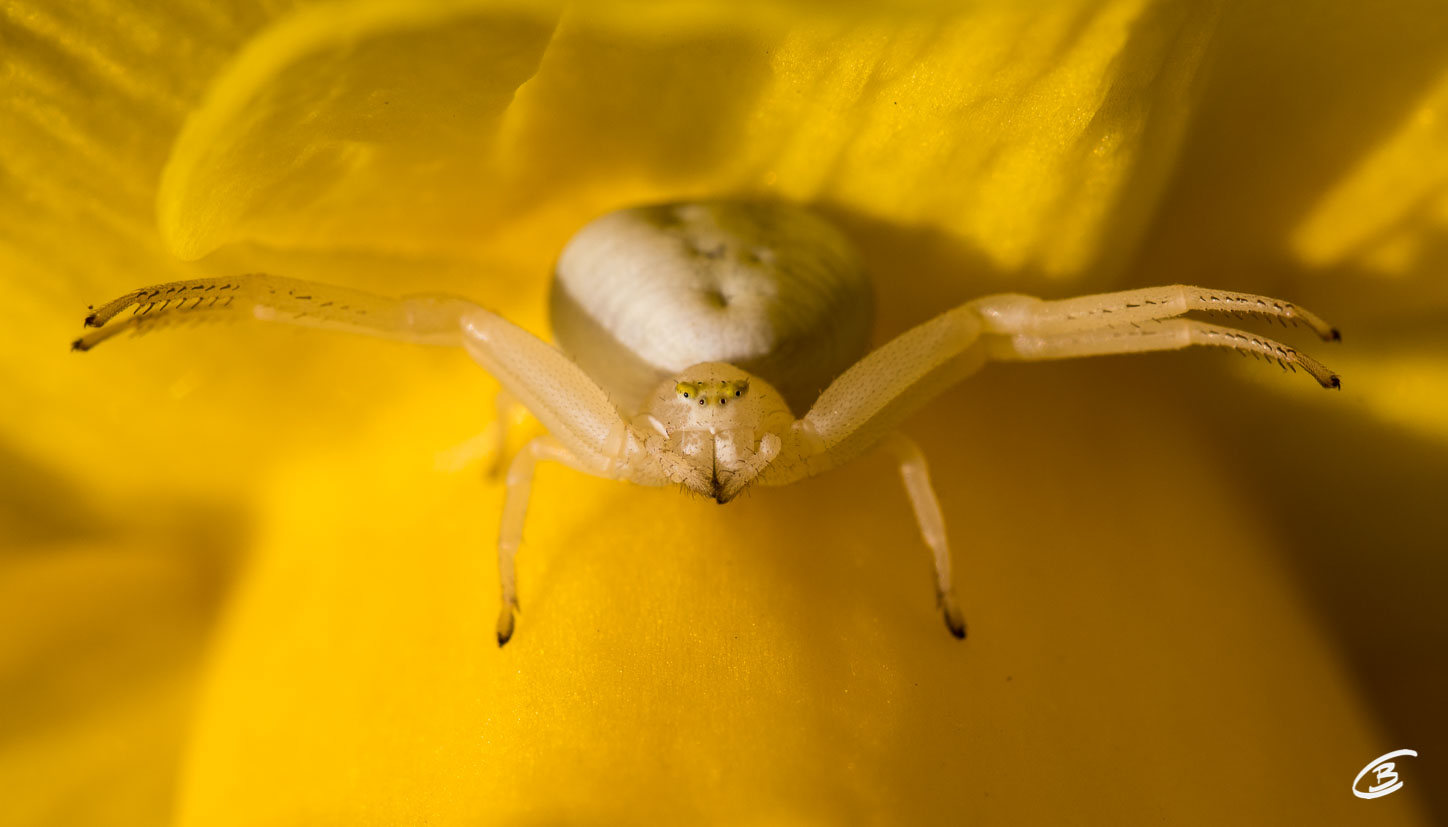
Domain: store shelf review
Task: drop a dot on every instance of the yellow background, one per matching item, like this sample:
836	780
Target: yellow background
234	590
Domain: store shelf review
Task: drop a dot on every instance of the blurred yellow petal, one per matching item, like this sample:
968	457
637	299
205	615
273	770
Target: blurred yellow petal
1388	218
1019	131
790	668
108	586
358	114
1298	103
1040	136
1393	204
105	619
1410	390
1160	574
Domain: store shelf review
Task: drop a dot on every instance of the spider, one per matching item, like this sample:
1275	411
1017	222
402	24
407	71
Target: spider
690	336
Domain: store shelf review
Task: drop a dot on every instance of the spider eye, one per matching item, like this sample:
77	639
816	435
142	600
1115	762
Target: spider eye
686	394
739	393
722	400
701	401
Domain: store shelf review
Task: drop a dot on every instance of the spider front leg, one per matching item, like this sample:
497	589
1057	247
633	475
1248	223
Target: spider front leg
420	319
1156	303
587	431
1139	321
864	405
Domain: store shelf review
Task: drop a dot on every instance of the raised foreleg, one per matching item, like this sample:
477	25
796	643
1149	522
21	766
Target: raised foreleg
1021	328
866	403
588	433
420	319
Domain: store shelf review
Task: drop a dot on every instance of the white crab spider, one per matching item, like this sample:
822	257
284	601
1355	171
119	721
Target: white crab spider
689	334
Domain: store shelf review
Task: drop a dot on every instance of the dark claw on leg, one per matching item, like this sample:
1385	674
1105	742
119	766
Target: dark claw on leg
951	612
505	624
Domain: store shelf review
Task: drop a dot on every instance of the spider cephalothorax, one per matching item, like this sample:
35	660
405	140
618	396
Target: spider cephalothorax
715	429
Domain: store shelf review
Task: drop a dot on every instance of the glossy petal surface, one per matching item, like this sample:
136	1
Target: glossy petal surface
236	591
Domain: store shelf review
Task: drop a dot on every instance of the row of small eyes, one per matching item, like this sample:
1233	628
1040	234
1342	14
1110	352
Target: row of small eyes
703	400
699	390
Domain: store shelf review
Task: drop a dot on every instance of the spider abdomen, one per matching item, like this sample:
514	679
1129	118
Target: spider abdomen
641	294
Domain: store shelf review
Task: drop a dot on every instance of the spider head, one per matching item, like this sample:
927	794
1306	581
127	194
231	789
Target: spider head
714	416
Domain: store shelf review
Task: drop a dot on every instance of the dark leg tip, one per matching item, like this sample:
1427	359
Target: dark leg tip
90	321
951	612
1335	383
1335	335
505	624
79	345
956	626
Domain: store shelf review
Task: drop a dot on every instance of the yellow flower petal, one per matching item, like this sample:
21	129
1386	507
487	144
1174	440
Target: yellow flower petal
376	124
349	112
1385	211
779	660
103	637
1162	576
